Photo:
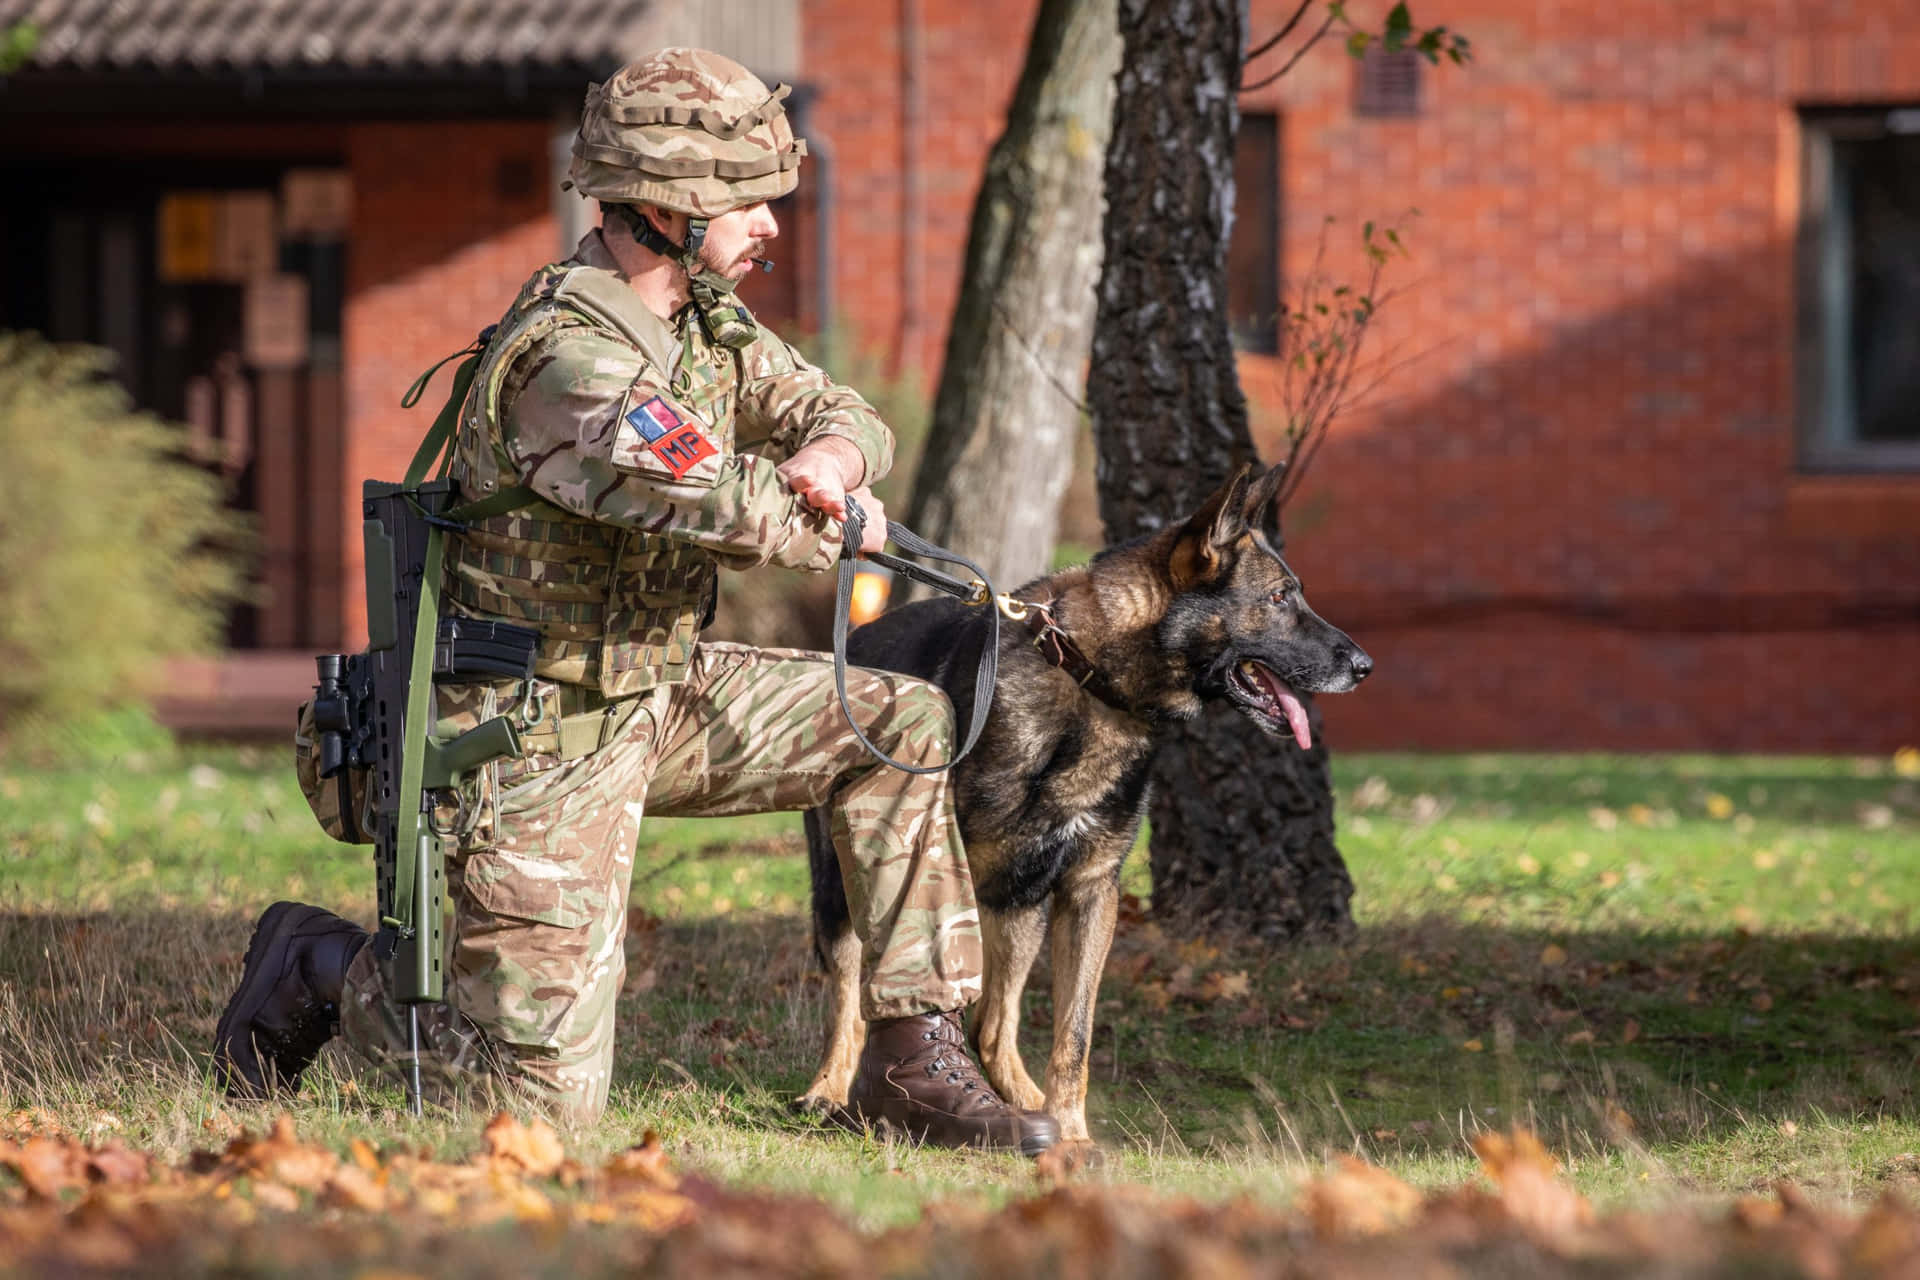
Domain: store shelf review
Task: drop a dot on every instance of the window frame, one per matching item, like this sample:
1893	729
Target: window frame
1257	331
1825	443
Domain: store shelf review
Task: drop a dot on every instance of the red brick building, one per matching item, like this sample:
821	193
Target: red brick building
1651	477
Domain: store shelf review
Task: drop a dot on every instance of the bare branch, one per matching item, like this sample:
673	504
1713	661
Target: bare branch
1285	31
1287	66
1324	332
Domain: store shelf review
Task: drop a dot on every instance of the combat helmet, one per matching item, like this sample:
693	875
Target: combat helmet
695	132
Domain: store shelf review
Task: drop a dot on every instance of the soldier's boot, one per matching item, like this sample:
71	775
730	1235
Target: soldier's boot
916	1076
288	1004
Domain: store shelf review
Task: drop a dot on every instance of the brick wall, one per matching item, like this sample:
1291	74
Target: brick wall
449	219
969	57
1573	519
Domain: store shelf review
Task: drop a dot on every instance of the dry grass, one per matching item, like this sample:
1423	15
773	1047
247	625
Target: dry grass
1664	997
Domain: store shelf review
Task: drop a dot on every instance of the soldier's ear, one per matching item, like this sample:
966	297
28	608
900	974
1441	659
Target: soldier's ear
1206	541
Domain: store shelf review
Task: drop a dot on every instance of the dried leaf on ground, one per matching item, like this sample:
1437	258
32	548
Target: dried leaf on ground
1359	1199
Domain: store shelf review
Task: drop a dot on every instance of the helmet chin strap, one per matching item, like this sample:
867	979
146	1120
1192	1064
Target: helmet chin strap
727	322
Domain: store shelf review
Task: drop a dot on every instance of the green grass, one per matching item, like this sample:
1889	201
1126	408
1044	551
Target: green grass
1691	975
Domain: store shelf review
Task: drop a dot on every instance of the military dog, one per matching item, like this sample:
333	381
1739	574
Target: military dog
1052	797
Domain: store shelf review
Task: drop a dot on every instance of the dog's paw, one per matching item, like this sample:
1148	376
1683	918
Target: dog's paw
822	1105
1025	1095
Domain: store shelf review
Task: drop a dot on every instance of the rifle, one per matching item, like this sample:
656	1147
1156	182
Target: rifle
371	708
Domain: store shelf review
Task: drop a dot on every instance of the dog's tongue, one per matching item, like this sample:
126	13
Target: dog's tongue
1296	710
1296	718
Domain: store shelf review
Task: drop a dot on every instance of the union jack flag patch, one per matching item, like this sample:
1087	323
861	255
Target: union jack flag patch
676	442
654	420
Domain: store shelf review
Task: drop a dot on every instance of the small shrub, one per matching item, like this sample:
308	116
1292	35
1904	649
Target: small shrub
117	552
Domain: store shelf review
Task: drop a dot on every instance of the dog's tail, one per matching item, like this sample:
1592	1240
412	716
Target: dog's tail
831	919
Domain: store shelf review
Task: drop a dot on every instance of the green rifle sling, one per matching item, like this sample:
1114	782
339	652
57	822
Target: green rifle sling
412	841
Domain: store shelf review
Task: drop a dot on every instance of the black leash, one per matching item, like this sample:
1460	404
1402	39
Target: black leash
977	592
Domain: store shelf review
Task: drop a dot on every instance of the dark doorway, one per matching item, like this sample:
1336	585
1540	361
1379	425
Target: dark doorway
220	290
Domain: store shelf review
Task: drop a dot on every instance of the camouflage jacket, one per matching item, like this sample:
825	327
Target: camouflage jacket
654	450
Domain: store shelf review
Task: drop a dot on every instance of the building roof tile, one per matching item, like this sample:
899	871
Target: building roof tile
366	36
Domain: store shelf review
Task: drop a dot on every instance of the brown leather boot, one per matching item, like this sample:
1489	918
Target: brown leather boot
288	1004
916	1076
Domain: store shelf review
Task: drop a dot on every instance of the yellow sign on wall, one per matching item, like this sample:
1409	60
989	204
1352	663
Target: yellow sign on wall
188	225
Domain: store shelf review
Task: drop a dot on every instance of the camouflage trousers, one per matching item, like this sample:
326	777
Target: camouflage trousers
539	884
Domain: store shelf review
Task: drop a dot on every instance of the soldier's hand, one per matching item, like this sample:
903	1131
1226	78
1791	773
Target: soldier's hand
874	536
820	474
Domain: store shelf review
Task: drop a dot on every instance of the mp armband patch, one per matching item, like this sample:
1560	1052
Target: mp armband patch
659	439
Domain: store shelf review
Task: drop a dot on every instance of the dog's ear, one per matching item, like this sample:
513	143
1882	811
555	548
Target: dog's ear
1263	502
1207	538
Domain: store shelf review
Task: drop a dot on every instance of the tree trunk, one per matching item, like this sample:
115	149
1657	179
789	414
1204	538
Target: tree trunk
1000	446
1242	823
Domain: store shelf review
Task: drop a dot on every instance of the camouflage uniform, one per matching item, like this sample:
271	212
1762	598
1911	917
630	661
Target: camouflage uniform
654	449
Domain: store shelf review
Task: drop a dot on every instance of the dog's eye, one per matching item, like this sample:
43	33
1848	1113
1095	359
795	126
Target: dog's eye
1286	589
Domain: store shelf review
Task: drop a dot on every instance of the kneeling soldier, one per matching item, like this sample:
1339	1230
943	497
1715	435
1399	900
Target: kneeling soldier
667	434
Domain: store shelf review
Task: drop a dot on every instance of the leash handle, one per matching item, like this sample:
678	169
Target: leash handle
984	675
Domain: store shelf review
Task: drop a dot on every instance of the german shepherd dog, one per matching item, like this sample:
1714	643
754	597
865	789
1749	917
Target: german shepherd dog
1052	797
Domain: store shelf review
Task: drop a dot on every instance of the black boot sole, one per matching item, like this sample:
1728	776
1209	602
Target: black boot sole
236	1057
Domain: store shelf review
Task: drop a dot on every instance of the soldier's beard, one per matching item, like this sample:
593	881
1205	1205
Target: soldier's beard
735	267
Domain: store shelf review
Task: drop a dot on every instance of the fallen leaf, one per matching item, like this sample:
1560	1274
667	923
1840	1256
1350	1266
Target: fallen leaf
532	1148
115	1165
364	1155
47	1166
1552	956
274	1195
1227	986
1887	1236
1906	762
352	1187
1473	1045
1530	1189
281	1157
1358	1199
1719	807
643	1165
1582	1036
1630	1032
1065	1161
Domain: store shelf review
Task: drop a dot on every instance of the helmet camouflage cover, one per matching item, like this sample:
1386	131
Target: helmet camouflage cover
687	130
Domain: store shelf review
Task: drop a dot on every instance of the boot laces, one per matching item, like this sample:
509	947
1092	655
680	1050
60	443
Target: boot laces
951	1057
308	1029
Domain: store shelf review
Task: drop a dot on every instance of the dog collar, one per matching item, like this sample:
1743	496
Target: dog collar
1058	648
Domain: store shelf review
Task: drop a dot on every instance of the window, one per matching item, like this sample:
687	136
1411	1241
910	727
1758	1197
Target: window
1387	82
1253	254
1859	276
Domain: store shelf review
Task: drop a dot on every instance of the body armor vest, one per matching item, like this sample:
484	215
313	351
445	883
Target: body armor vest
617	610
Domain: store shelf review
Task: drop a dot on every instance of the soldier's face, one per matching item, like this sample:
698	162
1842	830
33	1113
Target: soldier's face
736	238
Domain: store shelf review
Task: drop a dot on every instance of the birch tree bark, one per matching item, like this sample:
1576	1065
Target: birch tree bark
1000	445
1242	823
